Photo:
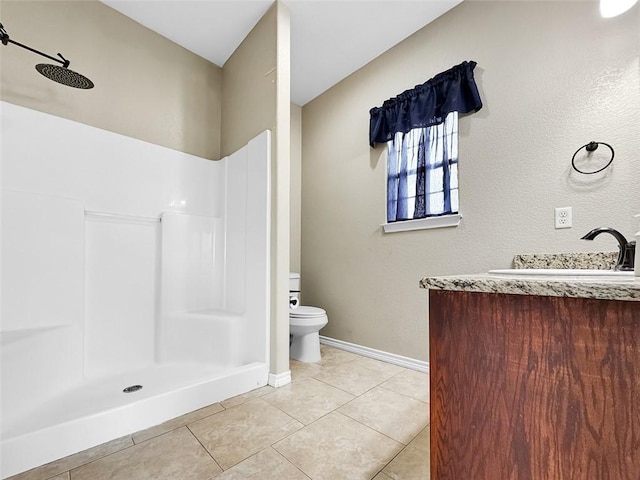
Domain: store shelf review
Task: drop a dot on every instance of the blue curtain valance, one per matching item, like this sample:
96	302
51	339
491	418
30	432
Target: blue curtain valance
453	90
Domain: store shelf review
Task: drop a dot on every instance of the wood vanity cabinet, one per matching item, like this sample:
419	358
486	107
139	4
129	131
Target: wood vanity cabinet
534	388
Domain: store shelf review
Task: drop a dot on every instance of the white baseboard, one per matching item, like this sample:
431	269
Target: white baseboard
280	379
412	363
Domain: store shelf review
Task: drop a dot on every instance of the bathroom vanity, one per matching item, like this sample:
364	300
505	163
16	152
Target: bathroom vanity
534	378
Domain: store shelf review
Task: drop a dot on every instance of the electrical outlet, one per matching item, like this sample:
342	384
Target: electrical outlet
563	217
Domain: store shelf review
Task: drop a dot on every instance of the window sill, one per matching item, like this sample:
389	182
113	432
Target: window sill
423	223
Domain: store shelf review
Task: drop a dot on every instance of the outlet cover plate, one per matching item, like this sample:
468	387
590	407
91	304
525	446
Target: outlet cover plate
563	217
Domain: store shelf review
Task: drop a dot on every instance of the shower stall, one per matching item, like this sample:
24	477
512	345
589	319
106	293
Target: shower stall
135	283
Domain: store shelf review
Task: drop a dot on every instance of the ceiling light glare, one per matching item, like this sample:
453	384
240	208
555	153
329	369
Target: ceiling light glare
612	8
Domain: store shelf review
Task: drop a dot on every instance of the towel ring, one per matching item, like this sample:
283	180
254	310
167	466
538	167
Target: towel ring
591	147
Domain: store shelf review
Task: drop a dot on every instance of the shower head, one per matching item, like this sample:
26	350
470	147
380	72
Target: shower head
64	76
53	72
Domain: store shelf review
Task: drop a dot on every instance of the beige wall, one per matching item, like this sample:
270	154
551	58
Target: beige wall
147	87
249	86
295	192
255	83
553	76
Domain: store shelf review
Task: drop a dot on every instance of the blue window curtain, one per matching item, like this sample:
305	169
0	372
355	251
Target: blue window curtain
453	90
420	127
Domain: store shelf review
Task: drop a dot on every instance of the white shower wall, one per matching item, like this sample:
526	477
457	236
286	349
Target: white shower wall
120	271
121	256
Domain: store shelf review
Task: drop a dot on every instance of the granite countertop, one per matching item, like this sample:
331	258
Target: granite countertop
601	288
590	260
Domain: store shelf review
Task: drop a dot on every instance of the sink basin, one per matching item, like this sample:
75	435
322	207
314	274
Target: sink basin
560	272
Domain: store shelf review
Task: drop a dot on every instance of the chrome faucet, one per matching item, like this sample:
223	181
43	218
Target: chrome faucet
627	249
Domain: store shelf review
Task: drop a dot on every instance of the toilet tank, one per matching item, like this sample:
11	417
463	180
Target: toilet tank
294	282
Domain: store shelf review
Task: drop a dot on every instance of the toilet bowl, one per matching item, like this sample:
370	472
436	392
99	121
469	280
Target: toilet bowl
304	325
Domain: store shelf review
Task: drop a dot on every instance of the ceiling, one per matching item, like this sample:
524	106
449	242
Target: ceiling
330	39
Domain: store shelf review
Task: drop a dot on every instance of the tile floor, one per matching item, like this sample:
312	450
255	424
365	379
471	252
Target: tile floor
346	417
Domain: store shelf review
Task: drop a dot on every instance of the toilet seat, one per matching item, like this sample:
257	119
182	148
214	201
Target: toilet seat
307	312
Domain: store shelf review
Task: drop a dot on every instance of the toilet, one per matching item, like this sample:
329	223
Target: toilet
304	324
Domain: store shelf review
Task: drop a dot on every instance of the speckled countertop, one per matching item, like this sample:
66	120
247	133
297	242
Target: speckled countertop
601	288
590	260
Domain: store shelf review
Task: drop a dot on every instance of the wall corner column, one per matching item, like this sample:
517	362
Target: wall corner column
280	201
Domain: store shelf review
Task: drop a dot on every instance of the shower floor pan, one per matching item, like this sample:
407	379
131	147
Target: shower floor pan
98	410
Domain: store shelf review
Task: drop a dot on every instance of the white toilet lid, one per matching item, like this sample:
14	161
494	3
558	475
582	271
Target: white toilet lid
306	312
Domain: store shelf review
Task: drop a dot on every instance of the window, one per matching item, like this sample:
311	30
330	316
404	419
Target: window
422	172
420	128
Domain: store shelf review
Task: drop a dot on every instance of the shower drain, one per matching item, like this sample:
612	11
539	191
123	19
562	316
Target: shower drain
132	388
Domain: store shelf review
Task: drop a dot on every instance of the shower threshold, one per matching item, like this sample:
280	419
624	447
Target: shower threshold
97	410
